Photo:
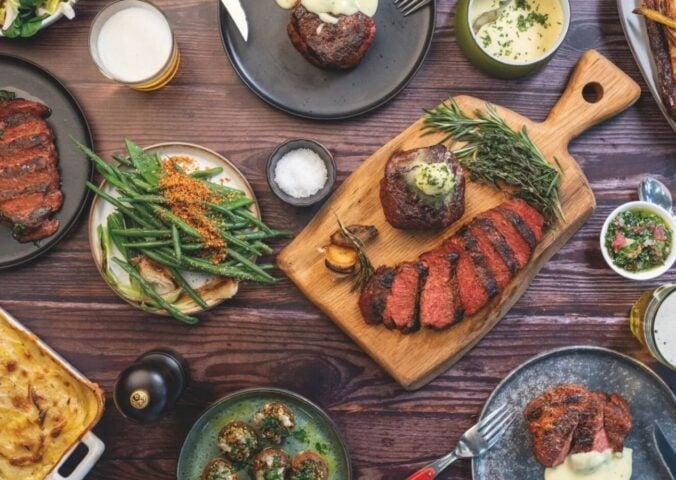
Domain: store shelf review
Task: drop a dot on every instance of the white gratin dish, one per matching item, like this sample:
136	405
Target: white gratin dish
95	446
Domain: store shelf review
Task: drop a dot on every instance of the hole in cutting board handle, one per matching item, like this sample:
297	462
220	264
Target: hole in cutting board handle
592	92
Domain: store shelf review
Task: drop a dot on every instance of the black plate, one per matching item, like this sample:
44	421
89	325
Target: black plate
273	69
66	120
599	369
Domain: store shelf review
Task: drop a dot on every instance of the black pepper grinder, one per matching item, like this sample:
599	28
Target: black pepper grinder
150	387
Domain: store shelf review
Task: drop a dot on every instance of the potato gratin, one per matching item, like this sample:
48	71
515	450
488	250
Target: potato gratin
44	408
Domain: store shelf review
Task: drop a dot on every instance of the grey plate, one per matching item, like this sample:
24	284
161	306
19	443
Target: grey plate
637	37
273	69
599	369
66	120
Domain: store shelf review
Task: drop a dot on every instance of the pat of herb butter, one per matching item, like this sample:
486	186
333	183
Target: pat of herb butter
434	179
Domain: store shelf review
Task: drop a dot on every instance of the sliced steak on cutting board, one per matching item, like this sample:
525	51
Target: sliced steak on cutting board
460	277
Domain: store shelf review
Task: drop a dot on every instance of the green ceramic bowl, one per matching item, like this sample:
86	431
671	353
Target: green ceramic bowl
491	65
319	432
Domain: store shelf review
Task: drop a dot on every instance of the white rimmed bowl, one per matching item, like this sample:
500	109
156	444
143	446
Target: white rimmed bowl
647	274
53	18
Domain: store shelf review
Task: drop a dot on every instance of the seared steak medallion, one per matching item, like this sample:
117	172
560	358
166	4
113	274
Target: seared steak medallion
458	278
338	46
570	419
423	189
29	176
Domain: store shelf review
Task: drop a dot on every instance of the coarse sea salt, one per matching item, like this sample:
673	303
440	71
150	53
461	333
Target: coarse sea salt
301	173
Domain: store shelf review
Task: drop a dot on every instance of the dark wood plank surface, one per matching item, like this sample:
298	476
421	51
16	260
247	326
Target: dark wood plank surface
274	336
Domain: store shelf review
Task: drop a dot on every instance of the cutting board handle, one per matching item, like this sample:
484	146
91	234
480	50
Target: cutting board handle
596	91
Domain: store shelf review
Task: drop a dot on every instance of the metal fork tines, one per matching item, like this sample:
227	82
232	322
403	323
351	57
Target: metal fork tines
408	7
475	441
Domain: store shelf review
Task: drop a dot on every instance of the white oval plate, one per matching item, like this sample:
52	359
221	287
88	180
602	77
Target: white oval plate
213	289
637	37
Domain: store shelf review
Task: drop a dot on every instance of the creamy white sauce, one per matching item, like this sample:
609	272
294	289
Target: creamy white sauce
664	329
525	31
605	465
329	10
134	44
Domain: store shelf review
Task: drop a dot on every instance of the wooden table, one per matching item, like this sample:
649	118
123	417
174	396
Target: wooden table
274	336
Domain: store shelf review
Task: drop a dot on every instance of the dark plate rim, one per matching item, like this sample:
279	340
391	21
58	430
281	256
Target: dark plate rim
309	116
68	226
266	391
564	350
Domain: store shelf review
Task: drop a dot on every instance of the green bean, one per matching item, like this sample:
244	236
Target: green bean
262	247
248	216
188	289
144	199
123	160
139	232
259	235
160	257
127	211
240	243
149	244
177	242
232	205
208	173
248	263
149	291
166	214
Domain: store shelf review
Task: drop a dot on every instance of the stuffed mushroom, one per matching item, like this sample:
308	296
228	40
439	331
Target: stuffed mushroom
219	469
309	466
275	421
271	464
238	441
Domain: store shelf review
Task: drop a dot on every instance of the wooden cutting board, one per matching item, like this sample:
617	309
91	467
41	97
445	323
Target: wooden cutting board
597	90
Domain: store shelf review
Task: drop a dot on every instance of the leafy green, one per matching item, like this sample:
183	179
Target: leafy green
6	95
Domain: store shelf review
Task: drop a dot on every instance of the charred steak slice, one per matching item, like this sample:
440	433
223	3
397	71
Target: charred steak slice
423	189
440	305
522	251
530	216
401	311
373	299
552	419
617	421
339	46
481	265
499	267
29	177
589	434
473	293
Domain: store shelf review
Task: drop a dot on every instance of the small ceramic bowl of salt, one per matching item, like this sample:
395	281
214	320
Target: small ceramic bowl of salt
301	172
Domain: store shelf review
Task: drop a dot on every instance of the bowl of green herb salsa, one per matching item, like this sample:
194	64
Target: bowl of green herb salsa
637	240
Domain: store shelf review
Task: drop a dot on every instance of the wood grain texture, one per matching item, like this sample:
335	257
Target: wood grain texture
416	359
275	336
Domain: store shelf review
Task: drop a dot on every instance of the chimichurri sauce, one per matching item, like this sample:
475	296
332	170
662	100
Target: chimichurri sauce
638	240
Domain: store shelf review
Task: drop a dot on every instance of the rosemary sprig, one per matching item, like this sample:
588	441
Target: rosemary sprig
365	266
499	156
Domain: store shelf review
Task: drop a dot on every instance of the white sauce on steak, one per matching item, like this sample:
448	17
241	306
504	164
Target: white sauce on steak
593	466
329	10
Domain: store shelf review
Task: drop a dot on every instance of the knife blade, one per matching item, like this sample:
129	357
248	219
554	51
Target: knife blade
666	450
236	11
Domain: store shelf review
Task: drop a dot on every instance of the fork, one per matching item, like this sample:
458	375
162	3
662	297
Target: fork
474	442
408	7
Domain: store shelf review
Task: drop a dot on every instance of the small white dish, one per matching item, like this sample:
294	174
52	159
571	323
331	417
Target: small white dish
647	274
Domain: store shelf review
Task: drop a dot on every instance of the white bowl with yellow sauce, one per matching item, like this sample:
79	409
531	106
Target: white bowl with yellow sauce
523	38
